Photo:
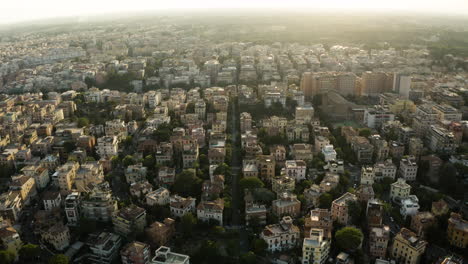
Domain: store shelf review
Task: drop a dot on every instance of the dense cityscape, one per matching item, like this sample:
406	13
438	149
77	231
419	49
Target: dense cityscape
234	139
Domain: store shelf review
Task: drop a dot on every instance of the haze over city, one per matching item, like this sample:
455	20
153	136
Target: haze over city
25	10
225	132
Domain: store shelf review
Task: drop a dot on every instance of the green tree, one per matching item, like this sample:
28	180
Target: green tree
187	183
250	183
248	258
365	132
29	252
59	259
355	212
7	256
188	222
325	200
259	246
128	160
448	178
149	161
82	122
348	238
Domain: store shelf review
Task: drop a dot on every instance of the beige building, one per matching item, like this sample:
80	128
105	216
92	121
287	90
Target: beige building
315	248
457	231
128	220
399	189
339	208
159	233
282	236
319	219
211	210
286	204
378	241
407	247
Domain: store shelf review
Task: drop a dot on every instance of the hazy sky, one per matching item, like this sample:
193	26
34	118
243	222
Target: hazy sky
23	10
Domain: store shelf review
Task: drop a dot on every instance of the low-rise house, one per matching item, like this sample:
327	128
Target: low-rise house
282	236
339	208
161	196
128	220
180	205
286	204
104	247
407	247
211	210
159	233
319	219
164	255
135	252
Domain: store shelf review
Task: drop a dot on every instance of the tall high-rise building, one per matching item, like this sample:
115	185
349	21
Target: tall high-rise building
375	83
402	84
306	83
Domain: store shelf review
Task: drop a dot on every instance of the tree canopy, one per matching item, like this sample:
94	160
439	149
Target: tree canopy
59	259
348	238
187	184
250	183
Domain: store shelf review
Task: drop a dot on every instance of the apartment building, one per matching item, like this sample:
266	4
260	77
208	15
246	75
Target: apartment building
135	253
180	205
99	204
457	231
315	248
407	247
211	210
128	220
104	247
160	196
399	189
159	233
408	168
339	209
378	241
282	236
286	204
296	169
319	219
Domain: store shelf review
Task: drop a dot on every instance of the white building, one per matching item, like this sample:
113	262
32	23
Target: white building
296	169
402	84
315	248
409	206
211	210
367	175
163	255
282	236
161	196
377	116
107	147
408	168
72	205
385	169
51	200
180	206
399	189
329	152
